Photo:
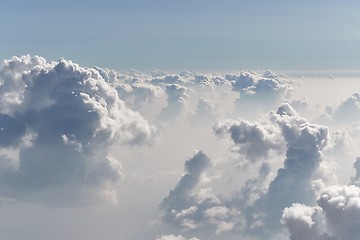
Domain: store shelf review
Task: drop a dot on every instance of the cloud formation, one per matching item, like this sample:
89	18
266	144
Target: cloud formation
259	92
251	139
62	119
176	102
336	216
198	210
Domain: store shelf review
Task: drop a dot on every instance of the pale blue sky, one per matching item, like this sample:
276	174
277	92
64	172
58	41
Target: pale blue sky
205	35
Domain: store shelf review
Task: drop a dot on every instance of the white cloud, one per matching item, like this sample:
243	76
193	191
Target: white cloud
176	102
259	93
337	216
174	237
74	116
251	139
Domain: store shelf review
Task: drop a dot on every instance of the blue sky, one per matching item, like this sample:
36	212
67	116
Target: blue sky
179	35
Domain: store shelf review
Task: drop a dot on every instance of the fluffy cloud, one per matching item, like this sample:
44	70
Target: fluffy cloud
251	139
257	207
349	110
206	112
337	216
263	91
262	200
176	102
62	119
174	237
293	182
301	222
197	210
135	89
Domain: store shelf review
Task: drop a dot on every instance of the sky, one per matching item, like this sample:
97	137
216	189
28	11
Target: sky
194	35
180	120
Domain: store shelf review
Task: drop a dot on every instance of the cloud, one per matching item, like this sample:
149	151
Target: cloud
178	198
263	199
190	208
206	112
259	92
62	119
176	102
301	222
293	181
251	139
257	207
336	216
135	88
174	237
349	110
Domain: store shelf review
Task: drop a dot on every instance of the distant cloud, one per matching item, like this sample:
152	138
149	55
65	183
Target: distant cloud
176	102
206	113
174	237
259	92
349	110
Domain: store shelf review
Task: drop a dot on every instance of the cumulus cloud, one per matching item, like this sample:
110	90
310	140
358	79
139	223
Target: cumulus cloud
293	181
251	139
349	110
206	112
198	210
263	199
259	92
256	208
176	102
62	119
178	198
336	216
137	91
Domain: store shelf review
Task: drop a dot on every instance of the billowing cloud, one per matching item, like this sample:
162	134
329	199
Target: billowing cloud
251	139
206	112
293	182
198	210
256	208
259	92
62	119
349	110
176	102
336	216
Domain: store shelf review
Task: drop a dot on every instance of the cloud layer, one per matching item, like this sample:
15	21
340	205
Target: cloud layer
268	168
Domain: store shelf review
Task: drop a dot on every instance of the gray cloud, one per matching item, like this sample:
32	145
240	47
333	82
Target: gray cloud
251	139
